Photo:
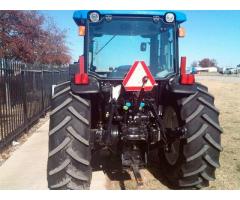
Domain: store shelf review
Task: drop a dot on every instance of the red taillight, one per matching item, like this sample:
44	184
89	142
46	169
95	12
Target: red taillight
183	65
185	79
81	78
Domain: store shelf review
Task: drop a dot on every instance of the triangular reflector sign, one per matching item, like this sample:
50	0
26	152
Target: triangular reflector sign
134	78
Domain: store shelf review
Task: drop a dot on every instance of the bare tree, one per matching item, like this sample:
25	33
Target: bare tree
206	62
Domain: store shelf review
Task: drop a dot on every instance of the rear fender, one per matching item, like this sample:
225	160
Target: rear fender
175	87
92	87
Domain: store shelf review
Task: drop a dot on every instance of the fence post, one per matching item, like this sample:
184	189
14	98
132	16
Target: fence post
7	89
1	107
52	74
42	88
24	97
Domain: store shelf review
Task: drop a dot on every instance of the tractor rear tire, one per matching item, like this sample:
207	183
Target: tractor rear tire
69	135
198	153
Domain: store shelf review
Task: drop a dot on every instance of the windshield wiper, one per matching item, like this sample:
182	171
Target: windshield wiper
105	44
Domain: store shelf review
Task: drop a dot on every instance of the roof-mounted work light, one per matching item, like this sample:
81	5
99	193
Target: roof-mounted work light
169	17
94	16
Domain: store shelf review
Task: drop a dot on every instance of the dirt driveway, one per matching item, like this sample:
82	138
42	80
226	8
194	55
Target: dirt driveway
26	168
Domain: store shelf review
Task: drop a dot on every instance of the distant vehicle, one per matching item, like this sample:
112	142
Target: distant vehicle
220	70
238	69
230	70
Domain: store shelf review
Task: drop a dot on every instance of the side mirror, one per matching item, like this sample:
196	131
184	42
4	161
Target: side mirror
143	46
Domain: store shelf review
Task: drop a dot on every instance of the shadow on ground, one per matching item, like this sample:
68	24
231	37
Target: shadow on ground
112	168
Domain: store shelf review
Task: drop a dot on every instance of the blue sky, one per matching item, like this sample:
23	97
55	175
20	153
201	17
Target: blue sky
213	34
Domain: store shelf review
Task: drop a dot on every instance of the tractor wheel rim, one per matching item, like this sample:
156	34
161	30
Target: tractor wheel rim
171	121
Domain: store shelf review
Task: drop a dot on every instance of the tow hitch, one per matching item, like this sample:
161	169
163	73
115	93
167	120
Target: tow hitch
134	159
137	174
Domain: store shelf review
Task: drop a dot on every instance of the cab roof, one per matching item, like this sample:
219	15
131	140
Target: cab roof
83	14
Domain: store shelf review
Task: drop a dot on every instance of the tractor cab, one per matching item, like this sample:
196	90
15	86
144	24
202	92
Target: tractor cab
114	40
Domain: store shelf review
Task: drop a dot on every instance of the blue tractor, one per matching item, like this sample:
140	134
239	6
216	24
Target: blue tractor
129	95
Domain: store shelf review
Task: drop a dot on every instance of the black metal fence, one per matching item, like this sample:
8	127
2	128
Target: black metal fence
25	94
